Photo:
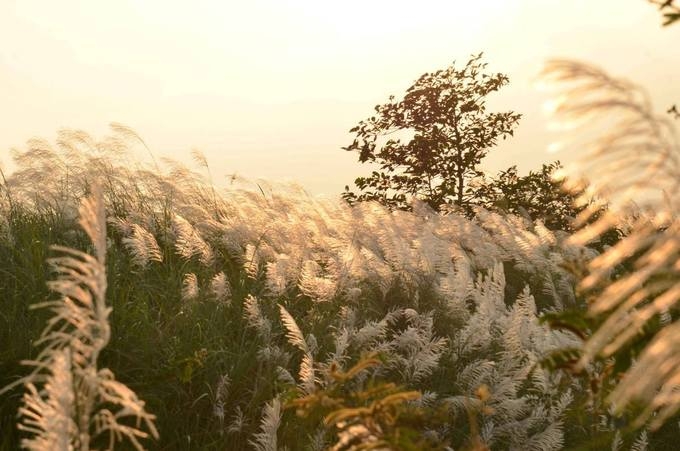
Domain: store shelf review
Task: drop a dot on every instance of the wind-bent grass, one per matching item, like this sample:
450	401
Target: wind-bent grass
637	158
199	280
79	403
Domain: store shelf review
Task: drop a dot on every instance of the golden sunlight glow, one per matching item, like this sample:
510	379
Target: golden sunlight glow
270	89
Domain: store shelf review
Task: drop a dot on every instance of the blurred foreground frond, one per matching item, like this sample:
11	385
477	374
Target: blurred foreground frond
634	164
70	404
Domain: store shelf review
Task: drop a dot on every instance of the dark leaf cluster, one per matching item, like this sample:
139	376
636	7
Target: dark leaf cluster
669	9
429	144
535	196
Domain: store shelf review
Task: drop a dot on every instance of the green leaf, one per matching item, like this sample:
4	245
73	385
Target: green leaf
561	358
574	321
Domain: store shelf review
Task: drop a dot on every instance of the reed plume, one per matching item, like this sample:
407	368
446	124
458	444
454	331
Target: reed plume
79	404
634	160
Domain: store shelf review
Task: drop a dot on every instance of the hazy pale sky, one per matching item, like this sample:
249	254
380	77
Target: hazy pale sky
270	88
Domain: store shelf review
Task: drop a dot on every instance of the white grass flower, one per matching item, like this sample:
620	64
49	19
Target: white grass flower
287	241
297	339
73	340
314	285
250	261
189	287
255	318
416	352
49	415
220	287
238	421
636	156
284	376
278	275
188	241
221	393
265	439
142	246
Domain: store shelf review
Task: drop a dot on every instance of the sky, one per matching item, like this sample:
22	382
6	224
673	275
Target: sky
269	89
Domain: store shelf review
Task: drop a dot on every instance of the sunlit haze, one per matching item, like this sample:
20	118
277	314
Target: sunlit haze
270	89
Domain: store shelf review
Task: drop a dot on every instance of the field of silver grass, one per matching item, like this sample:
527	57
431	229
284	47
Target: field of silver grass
299	285
233	307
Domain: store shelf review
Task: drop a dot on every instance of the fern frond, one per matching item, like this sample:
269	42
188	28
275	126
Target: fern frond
550	438
641	442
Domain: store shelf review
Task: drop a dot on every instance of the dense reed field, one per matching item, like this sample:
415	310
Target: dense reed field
251	316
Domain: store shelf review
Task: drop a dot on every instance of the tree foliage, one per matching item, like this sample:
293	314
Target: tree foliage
537	195
429	144
540	195
670	10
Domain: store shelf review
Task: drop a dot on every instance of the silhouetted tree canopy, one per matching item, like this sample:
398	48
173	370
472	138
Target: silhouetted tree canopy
429	144
536	196
674	112
671	14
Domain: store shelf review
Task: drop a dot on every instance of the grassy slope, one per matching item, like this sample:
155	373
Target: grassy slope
173	352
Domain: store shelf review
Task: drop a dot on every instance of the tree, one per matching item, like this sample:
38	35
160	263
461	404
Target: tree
540	196
429	144
536	196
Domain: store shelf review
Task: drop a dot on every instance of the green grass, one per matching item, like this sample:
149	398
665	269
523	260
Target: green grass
172	352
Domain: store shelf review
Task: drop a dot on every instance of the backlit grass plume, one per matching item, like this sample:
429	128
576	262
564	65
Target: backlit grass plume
297	339
78	405
635	168
449	302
